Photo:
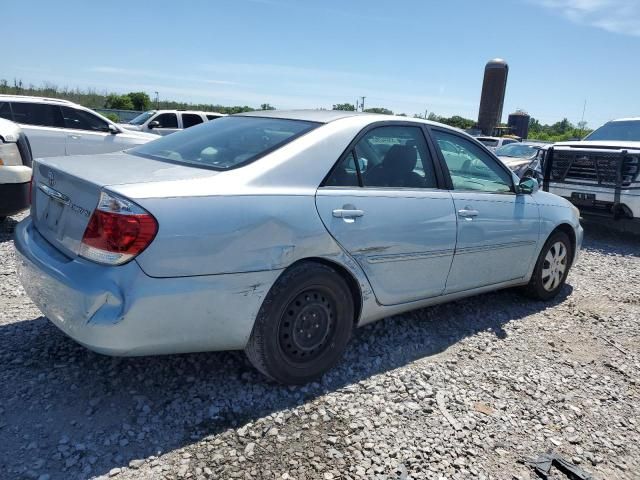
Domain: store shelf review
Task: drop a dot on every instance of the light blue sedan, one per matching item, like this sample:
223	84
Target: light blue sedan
279	232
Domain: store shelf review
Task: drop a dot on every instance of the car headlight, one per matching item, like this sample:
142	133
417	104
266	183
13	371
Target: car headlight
9	154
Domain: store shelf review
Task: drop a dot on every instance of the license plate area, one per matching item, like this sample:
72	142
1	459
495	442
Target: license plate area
581	198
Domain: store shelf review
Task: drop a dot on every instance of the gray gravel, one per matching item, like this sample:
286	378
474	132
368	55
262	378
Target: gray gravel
464	390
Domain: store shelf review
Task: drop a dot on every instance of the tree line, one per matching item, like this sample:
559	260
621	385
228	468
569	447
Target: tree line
140	101
95	99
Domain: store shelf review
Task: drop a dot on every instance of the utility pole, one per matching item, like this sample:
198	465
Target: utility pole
157	100
582	121
362	104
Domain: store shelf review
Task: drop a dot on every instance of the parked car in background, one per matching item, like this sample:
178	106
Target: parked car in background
59	127
495	142
278	232
15	169
164	122
600	174
523	158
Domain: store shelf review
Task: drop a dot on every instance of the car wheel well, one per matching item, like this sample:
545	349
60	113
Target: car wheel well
570	232
348	277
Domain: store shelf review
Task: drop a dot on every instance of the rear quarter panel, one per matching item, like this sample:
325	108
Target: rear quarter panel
233	234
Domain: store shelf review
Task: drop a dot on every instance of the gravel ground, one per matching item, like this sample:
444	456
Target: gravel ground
464	390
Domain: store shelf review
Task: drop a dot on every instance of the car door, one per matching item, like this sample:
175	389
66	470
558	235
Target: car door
382	204
43	125
167	123
497	230
87	133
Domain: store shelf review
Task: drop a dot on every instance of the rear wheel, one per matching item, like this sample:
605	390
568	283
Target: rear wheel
303	326
552	267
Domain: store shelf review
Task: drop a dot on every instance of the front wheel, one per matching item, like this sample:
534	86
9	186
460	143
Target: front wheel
303	326
552	267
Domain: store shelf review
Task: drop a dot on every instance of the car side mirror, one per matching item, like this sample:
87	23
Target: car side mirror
113	130
154	124
528	186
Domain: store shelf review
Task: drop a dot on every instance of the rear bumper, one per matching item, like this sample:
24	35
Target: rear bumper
122	311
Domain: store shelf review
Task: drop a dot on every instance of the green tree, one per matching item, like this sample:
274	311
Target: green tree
140	100
112	116
118	102
386	111
266	106
348	107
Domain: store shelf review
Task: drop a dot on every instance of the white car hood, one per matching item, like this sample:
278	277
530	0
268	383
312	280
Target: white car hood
614	144
128	126
513	162
138	134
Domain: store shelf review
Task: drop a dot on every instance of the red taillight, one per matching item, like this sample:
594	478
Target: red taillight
117	231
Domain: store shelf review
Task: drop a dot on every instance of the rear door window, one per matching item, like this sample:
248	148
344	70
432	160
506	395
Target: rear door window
40	114
5	111
82	120
190	119
167	120
388	157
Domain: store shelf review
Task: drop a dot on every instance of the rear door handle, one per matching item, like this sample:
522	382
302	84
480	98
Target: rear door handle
468	213
347	213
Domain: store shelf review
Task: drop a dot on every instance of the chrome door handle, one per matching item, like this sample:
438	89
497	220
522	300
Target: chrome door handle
347	213
468	213
75	137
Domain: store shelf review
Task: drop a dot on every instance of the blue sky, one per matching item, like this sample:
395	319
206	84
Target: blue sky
406	55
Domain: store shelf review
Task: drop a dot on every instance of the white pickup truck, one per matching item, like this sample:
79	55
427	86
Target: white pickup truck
164	122
600	174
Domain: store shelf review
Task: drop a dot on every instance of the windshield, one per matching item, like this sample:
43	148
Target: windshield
628	130
517	150
226	143
143	117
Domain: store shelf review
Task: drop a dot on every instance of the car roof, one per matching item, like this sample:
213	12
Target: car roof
320	116
27	98
628	119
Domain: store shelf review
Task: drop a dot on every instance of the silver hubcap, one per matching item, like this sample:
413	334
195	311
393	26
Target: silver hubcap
554	266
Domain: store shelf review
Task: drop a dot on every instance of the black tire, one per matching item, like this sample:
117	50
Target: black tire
303	326
540	287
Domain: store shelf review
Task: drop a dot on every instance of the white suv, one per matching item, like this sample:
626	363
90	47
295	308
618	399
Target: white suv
15	169
164	122
59	127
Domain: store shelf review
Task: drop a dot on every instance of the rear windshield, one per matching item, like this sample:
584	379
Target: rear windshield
226	143
621	130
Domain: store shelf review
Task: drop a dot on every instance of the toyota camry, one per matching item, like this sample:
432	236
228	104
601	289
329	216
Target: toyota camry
279	232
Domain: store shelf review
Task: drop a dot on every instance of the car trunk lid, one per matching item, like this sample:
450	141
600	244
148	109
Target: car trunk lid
66	190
